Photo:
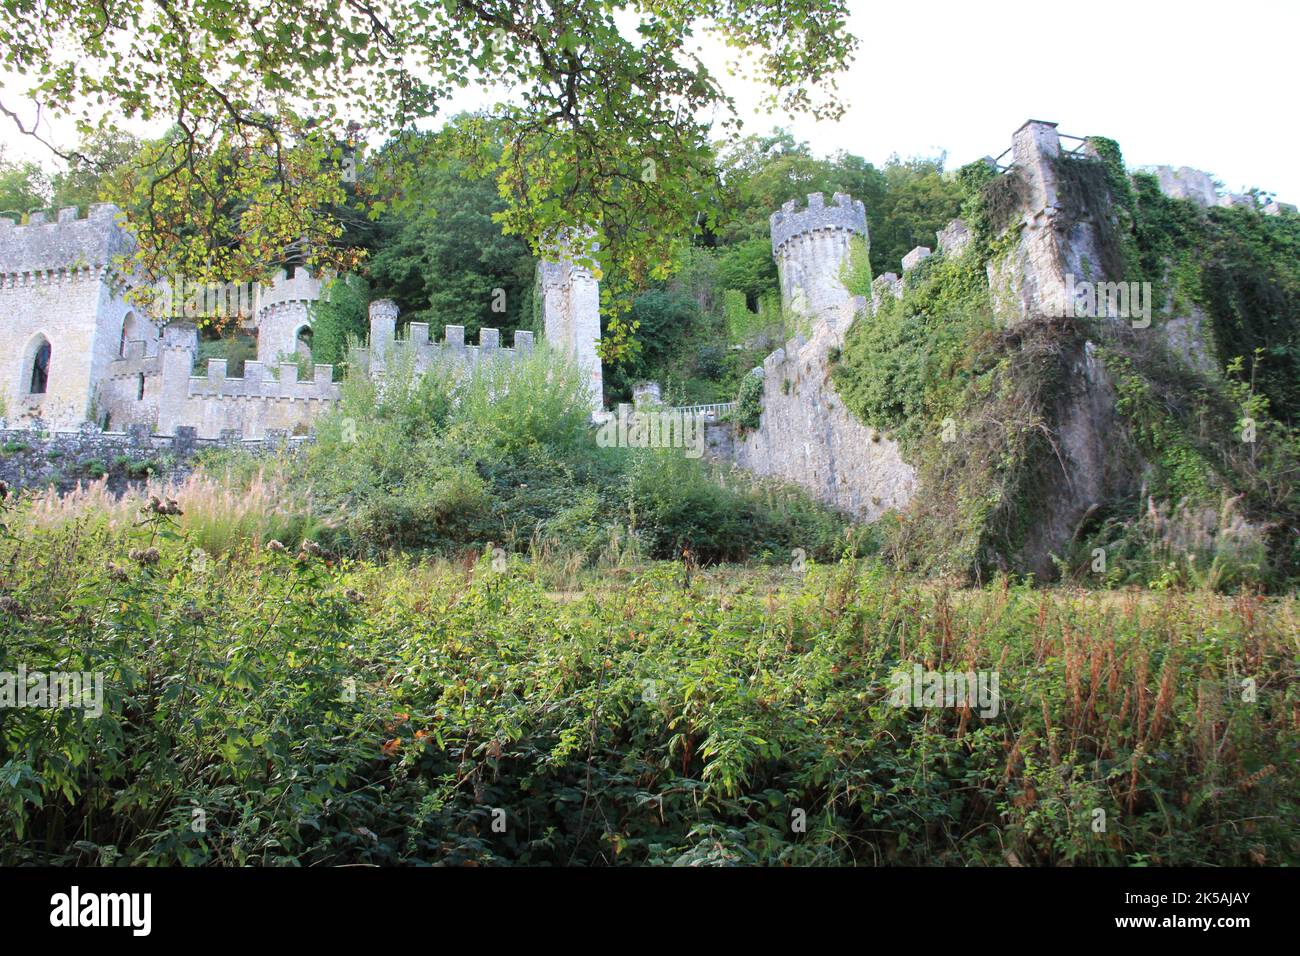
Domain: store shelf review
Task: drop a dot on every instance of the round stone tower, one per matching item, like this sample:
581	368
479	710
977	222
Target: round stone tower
281	311
810	247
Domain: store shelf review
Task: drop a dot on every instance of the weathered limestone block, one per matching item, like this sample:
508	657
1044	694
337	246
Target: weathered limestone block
915	258
1187	183
953	238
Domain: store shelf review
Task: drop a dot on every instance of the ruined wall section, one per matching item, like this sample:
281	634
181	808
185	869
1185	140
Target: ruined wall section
1029	285
807	436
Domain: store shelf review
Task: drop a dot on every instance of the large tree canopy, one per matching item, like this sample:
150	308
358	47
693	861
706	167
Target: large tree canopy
606	116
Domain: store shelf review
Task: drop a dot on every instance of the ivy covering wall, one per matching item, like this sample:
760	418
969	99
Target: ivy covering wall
976	406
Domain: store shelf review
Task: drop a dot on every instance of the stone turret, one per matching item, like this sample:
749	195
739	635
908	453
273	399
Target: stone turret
281	310
810	247
571	315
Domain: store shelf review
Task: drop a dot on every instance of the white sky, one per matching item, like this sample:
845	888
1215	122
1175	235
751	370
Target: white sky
1190	83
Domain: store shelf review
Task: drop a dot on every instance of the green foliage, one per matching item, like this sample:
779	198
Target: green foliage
907	201
677	506
444	259
748	267
1181	469
684	326
748	412
918	200
610	128
93	168
745	325
1241	268
339	317
668	323
990	201
905	367
24	187
324	712
504	453
762	172
856	272
236	349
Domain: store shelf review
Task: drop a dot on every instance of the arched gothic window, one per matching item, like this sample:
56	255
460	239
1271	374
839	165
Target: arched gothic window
40	377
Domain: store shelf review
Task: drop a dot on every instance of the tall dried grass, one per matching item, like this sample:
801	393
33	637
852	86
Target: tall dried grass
217	514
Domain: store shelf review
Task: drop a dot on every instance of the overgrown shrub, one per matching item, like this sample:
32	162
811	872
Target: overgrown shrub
323	712
505	453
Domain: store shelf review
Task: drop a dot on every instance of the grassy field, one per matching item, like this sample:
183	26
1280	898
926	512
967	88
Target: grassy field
265	705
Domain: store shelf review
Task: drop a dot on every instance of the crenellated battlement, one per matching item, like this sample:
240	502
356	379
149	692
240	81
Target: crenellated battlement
138	358
385	347
296	284
264	383
844	213
65	245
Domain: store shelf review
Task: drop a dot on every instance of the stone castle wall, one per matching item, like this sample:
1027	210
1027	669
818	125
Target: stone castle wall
33	458
806	435
58	285
114	366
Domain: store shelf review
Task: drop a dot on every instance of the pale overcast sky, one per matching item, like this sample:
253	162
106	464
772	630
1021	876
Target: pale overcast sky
1192	83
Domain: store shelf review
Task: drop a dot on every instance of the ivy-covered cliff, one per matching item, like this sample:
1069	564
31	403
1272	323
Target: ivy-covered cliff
1103	381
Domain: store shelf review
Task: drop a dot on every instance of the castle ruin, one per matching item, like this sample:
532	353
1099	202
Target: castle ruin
81	354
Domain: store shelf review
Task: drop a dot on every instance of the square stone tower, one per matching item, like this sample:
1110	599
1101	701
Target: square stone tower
65	315
571	316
